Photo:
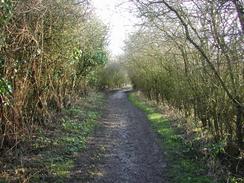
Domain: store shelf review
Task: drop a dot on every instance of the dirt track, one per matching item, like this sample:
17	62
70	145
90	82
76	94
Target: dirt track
130	153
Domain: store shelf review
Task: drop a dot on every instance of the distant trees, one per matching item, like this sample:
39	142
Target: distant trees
190	55
48	48
112	76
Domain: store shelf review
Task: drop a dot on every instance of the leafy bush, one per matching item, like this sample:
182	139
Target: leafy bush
48	49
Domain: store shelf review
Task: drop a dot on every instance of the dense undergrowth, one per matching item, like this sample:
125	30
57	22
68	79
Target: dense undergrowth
51	153
189	56
112	76
190	158
50	51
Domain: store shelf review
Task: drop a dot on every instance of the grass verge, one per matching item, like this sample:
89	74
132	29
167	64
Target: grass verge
184	165
52	152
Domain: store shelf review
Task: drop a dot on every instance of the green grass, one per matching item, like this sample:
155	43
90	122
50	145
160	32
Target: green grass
183	165
54	150
71	138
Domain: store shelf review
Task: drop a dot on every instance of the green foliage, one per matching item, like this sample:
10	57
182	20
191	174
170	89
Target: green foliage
5	87
217	148
6	8
113	75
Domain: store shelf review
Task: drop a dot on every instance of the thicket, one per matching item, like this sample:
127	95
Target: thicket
189	54
112	76
48	52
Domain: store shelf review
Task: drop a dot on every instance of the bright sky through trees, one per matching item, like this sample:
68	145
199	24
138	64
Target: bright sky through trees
117	15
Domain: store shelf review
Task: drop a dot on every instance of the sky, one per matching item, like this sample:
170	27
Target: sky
117	16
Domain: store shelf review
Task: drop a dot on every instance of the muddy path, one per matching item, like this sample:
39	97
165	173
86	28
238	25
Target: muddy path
123	149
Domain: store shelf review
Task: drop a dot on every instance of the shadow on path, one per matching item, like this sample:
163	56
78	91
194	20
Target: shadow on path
123	148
